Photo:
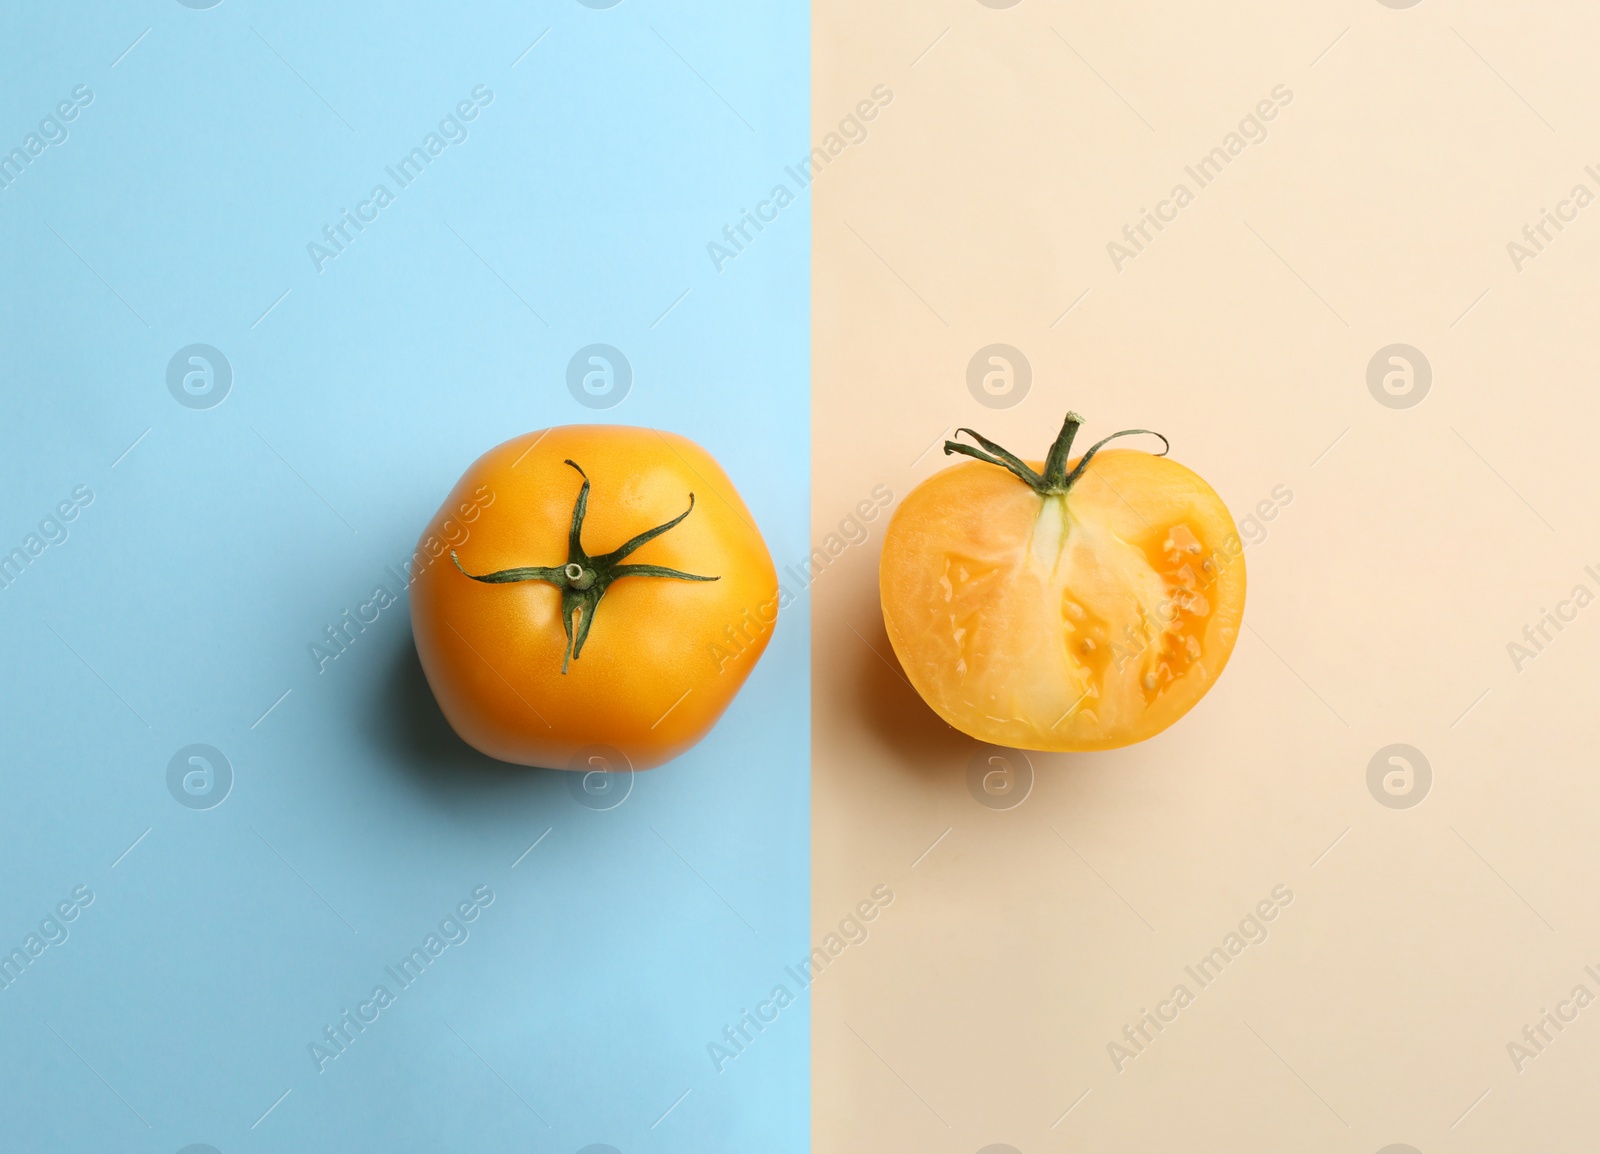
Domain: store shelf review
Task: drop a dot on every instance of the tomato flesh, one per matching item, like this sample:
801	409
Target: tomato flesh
1085	620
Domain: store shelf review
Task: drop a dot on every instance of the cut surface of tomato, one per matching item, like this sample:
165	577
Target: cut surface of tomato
1086	618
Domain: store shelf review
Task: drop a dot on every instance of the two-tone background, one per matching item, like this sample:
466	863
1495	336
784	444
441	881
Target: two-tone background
236	381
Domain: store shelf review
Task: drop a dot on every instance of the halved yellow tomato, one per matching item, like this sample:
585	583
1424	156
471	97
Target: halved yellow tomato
1074	604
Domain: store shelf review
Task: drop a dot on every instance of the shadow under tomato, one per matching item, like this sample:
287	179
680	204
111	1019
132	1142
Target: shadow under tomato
921	744
919	740
404	721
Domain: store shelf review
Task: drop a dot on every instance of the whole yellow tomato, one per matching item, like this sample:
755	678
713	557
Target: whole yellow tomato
1069	605
590	593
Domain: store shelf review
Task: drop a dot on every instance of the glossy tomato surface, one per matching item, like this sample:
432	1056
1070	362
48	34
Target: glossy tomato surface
662	656
1079	621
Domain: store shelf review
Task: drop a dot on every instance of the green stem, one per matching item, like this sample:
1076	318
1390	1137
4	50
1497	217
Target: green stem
1055	479
584	579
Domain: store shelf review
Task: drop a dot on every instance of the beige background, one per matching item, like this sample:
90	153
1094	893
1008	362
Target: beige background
1418	544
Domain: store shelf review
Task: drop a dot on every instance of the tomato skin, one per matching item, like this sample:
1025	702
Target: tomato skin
664	657
1083	621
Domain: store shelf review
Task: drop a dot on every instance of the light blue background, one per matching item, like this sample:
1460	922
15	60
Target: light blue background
181	606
